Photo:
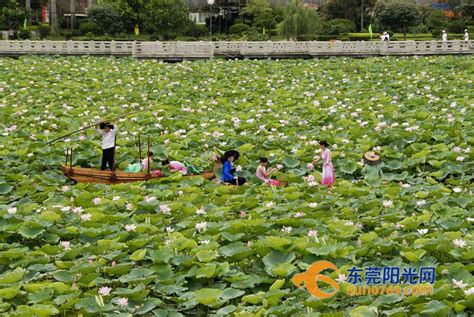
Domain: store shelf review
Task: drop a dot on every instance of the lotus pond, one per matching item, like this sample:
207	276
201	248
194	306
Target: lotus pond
177	246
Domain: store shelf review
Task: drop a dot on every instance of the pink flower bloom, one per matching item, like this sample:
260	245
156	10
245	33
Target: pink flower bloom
129	206
299	214
74	286
96	200
149	199
66	245
287	229
310	166
123	301
341	278
104	291
312	233
243	214
165	209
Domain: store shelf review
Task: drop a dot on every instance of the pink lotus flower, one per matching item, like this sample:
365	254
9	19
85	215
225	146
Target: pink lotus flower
243	214
299	214
114	264
310	166
66	245
104	291
165	209
123	301
96	200
341	278
460	243
313	233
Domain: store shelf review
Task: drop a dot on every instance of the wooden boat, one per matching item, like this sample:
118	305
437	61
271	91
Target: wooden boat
92	175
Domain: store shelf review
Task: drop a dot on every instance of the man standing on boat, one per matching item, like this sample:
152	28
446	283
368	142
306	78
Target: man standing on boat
108	132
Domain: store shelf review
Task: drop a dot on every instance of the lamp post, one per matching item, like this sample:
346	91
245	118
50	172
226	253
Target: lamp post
210	3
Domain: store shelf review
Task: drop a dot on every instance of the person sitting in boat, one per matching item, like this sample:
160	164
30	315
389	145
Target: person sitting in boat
108	132
175	166
264	175
227	169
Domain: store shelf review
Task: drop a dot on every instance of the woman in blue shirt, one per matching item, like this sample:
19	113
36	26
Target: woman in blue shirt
227	169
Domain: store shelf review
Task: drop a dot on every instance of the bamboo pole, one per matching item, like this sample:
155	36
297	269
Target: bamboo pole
93	125
148	157
139	150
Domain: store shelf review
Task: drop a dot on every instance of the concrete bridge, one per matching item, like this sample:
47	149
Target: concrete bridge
178	51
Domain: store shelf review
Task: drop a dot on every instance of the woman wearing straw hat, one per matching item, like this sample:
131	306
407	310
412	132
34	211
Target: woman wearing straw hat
372	168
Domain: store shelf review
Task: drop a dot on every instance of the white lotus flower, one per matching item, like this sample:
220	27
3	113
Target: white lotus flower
205	241
130	227
65	188
459	284
86	217
129	206
469	291
269	204
460	158
66	245
149	199
299	214
12	210
65	208
457	189
77	210
460	243
399	226
470	219
96	200
286	229
238	168
115	198
279	166
422	231
165	209
421	202
313	205
349	223
200	211
169	229
201	226
387	203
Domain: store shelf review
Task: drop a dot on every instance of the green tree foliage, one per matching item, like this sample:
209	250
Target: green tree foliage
129	10
339	26
165	17
467	9
107	18
348	9
261	14
11	14
299	22
397	16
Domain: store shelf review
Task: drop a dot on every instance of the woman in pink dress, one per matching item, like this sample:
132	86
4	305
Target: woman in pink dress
328	167
175	166
264	175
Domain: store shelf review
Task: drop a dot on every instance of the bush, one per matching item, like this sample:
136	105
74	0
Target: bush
44	30
90	27
24	34
456	26
196	30
239	28
107	19
67	35
339	26
363	36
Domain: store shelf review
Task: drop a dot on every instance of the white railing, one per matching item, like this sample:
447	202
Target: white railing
206	50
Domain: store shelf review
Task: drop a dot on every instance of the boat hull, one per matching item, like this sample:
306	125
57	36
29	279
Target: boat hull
91	175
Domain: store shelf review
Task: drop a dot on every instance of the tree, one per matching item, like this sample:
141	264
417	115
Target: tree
107	18
166	17
261	13
129	10
467	9
299	22
397	16
348	9
11	14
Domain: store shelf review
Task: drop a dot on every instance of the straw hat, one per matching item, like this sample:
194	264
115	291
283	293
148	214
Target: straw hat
371	156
